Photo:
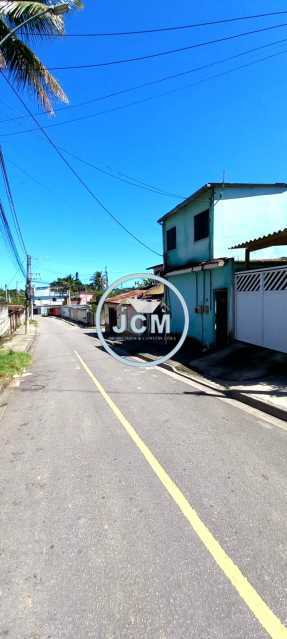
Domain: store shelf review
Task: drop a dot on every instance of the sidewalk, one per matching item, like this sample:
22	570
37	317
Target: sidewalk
18	342
250	374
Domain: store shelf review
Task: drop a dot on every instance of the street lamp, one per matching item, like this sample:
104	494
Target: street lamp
56	9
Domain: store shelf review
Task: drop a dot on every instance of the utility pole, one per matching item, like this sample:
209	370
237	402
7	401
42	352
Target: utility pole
6	293
29	296
106	278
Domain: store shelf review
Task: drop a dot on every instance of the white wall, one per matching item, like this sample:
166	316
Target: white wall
242	214
4	320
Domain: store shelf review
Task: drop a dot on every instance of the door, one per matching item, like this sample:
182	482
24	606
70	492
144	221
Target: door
112	318
221	317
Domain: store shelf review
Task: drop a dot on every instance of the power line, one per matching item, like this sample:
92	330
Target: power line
132	181
11	201
166	29
11	242
126	179
75	173
12	278
150	98
172	76
29	176
158	54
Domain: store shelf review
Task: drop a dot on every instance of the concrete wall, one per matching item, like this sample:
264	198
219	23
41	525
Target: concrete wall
4	320
198	289
76	313
244	214
186	249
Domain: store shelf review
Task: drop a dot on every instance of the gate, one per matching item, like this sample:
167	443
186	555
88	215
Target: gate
261	307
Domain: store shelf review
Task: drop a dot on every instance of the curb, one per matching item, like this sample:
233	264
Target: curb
269	409
73	322
29	346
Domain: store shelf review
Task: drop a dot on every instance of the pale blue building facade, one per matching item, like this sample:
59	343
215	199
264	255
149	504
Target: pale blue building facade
197	236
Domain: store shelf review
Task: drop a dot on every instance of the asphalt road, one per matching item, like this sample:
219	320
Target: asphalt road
134	505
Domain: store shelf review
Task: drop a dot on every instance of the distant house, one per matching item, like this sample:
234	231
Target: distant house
44	298
143	301
197	236
82	298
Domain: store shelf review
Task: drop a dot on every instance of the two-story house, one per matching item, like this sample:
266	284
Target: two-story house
197	236
44	297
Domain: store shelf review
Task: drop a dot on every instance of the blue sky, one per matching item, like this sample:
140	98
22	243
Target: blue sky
234	124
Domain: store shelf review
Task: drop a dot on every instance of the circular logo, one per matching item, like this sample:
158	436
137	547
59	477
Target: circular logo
133	362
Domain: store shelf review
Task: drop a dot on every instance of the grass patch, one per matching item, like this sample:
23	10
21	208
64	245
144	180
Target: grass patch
33	322
12	362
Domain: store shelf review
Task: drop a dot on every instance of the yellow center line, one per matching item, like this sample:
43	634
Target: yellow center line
268	620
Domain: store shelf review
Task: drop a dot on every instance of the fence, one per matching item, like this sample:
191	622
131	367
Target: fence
261	307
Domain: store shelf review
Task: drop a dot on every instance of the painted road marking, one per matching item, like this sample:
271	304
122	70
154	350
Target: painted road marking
268	620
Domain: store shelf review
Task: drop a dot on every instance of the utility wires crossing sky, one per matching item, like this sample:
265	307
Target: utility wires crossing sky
75	173
165	93
165	78
181	27
158	54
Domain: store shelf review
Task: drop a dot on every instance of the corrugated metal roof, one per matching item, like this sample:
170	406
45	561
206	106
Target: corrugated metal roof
265	240
154	291
121	297
223	185
141	293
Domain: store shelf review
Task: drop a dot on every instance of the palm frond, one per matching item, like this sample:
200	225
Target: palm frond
14	12
27	70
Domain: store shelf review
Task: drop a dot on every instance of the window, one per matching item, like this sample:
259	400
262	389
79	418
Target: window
201	225
171	238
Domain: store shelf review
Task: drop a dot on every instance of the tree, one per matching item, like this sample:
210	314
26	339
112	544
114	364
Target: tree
77	284
14	296
146	283
22	63
98	281
97	286
69	282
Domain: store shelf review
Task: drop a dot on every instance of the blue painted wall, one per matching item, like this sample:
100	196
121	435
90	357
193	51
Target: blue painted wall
198	288
186	248
236	214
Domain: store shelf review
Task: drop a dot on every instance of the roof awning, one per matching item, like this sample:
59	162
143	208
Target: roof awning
278	238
